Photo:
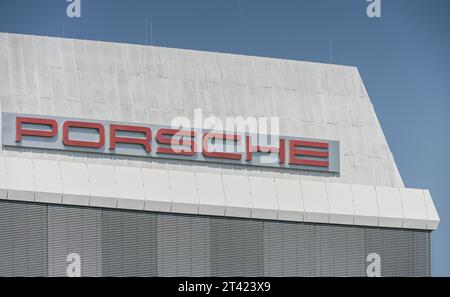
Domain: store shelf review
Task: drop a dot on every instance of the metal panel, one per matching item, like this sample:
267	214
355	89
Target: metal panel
103	185
47	176
75	180
184	192
21	185
236	247
130	188
157	190
3	179
211	194
273	249
92	184
264	199
390	206
365	205
355	253
74	231
341	203
128	243
23	239
37	239
183	245
315	199
432	215
237	195
290	201
414	208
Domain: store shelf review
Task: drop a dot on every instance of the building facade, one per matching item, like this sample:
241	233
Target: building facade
89	184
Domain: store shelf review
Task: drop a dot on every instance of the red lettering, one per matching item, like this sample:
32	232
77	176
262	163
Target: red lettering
221	155
294	151
20	131
265	149
282	151
114	139
83	143
171	141
248	148
165	136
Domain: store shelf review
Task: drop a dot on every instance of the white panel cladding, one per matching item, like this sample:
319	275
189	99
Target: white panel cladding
290	201
75	180
341	203
47	176
3	179
158	196
211	194
102	185
414	208
366	206
264	198
233	195
184	192
157	188
130	188
237	196
432	215
20	179
103	188
390	206
315	199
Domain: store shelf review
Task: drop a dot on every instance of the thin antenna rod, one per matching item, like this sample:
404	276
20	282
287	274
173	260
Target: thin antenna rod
146	28
151	32
331	51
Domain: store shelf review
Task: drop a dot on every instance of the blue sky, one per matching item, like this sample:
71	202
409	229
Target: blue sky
403	57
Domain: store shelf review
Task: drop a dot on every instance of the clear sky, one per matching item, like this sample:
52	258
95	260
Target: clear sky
403	57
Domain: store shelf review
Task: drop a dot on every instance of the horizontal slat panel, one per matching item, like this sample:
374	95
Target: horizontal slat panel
37	238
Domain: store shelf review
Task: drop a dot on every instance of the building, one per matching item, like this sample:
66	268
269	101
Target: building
79	197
